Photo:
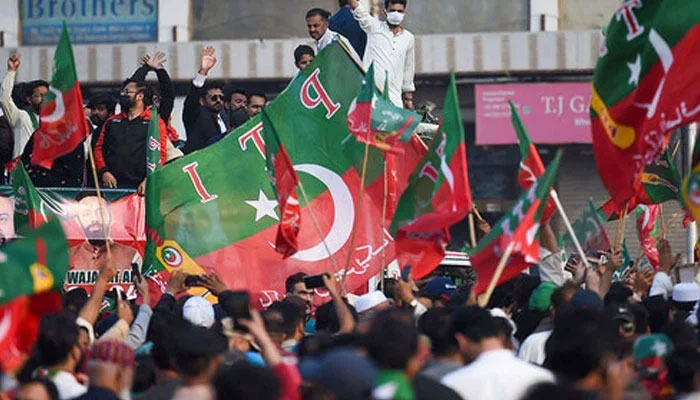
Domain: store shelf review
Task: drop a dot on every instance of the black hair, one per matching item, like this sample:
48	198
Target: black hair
141	87
195	348
681	334
435	323
144	374
559	298
503	296
58	334
230	91
619	294
103	98
343	3
387	3
658	309
570	351
18	95
244	381
503	327
683	365
641	317
74	300
390	285
474	323
29	88
293	279
324	14
48	385
524	286
327	317
554	391
292	315
209	85
160	332
258	94
392	339
301	50
315	345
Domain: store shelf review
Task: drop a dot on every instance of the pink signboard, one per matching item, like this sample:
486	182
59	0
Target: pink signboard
553	113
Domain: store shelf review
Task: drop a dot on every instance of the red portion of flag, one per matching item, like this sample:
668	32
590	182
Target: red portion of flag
62	128
645	228
422	251
531	169
286	180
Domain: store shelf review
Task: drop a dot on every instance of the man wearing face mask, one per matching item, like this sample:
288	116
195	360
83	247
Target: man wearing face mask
390	47
23	122
120	152
203	113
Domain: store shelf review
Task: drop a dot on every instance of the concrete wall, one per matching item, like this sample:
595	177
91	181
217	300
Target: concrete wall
588	14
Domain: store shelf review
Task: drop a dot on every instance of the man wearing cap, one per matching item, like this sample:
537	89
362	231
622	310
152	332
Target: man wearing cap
685	296
111	370
198	312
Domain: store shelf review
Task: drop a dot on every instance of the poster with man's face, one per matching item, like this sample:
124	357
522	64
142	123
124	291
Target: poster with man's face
87	221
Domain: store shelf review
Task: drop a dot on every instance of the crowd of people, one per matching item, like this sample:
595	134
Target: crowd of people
562	330
210	110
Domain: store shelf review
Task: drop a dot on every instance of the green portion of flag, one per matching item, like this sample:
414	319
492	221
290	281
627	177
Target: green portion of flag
27	200
661	181
36	263
590	232
153	143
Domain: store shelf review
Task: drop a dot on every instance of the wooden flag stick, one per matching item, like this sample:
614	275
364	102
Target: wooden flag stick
675	218
620	232
478	216
323	239
358	211
100	200
569	228
675	150
497	275
663	225
472	232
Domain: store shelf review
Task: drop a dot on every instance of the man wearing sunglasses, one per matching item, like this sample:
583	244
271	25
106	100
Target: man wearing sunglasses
203	114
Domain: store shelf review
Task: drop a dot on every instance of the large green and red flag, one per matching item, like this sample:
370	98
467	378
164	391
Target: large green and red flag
32	270
531	167
153	148
589	230
27	200
647	229
284	180
646	83
62	118
437	197
519	225
374	119
215	210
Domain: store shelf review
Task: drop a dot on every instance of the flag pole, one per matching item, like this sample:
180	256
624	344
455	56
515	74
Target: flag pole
620	233
478	216
320	234
472	232
100	200
358	211
663	224
384	201
569	228
497	275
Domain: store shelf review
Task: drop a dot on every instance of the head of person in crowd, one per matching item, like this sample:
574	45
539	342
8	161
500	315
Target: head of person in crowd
435	324
505	326
340	374
74	300
659	312
343	3
650	353
317	22
237	99
244	381
327	317
198	312
295	286
682	335
35	93
303	56
395	11
20	95
618	294
641	318
102	106
624	321
555	391
37	389
134	96
475	332
256	102
7	220
237	340
212	97
94	216
684	370
582	351
685	296
439	290
196	353
371	303
392	342
285	322
111	366
58	343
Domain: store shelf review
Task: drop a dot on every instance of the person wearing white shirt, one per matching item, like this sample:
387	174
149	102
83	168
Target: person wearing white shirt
494	372
391	48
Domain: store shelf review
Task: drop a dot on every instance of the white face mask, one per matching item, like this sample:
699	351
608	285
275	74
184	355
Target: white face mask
394	18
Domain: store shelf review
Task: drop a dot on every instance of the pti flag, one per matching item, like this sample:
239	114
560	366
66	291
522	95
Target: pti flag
438	194
519	225
32	270
215	210
647	216
531	167
374	119
153	147
62	124
27	200
284	180
646	83
589	231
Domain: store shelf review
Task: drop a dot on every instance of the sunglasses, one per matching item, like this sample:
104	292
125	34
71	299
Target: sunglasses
216	97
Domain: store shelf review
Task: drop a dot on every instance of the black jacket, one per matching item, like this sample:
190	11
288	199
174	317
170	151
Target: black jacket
200	123
67	170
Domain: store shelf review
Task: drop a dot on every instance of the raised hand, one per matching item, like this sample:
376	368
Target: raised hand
213	283
13	62
156	61
208	60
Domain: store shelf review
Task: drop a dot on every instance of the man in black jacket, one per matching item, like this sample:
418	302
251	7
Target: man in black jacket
203	114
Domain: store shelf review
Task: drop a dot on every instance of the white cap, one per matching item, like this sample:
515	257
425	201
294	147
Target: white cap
198	311
369	301
499	313
686	292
